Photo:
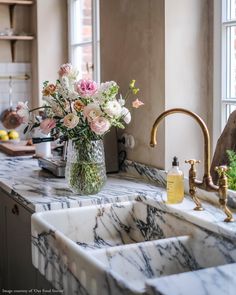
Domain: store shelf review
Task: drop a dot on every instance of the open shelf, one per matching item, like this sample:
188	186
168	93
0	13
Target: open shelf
21	2
22	38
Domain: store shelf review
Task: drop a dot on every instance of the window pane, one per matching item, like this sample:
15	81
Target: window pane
82	17
231	62
231	9
82	60
229	108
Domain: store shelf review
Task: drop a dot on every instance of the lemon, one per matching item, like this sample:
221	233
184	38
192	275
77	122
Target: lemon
4	137
13	134
3	132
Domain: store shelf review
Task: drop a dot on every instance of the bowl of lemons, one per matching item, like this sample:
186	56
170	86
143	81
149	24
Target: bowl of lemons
9	136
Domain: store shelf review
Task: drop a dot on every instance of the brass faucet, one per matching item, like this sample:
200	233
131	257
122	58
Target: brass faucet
207	182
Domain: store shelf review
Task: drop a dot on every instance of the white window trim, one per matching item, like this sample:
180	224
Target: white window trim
217	73
95	37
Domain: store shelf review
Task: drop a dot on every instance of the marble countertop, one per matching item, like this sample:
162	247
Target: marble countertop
39	191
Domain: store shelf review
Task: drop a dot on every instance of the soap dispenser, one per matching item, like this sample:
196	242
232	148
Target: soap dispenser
175	184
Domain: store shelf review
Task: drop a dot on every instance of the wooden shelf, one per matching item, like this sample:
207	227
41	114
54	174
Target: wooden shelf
15	38
12	2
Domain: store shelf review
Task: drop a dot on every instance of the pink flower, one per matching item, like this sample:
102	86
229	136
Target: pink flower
22	111
65	70
100	125
137	103
47	125
86	88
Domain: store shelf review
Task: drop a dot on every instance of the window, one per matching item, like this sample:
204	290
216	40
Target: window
84	37
228	58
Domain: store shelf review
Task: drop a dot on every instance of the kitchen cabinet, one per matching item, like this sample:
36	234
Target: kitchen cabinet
16	269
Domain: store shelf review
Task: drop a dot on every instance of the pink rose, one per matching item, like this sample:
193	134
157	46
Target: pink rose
86	88
22	111
100	125
47	125
65	70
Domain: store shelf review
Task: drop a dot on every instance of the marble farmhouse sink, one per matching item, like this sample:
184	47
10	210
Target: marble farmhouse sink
116	248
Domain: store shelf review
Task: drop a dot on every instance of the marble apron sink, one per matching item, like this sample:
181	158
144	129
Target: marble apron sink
116	248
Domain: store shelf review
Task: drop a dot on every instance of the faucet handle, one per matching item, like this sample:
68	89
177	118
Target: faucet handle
192	183
192	162
223	187
221	170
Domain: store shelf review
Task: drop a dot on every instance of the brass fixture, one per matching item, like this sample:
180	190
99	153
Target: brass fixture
17	77
207	182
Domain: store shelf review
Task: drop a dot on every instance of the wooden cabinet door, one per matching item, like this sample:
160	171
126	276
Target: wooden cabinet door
2	240
16	269
20	272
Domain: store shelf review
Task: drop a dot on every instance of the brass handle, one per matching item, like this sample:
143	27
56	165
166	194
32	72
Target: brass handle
221	170
192	162
223	187
15	210
192	183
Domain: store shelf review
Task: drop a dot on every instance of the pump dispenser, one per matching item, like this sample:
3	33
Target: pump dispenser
175	183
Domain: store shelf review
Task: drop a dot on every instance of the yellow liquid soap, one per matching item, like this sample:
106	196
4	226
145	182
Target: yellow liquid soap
175	184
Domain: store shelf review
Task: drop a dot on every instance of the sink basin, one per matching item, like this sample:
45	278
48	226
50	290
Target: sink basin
115	248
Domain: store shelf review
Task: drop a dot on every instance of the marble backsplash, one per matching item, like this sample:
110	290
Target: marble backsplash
158	177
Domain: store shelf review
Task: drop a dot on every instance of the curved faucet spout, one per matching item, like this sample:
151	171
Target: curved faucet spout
201	123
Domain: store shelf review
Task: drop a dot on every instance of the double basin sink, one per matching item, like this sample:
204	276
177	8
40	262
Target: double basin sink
116	248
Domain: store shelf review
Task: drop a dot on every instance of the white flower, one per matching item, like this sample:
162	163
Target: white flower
71	121
92	111
121	100
22	111
112	108
57	110
125	113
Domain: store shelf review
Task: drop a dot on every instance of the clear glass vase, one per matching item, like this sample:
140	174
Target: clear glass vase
85	166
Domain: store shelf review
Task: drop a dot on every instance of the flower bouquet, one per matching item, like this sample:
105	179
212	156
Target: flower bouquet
83	112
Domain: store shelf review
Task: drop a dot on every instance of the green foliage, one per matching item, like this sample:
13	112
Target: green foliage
231	173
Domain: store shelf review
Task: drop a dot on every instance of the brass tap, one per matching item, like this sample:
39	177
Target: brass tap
207	182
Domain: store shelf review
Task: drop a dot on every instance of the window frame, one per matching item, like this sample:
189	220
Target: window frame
221	61
95	42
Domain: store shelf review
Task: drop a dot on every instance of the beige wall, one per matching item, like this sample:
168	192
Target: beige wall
186	76
51	48
132	47
164	45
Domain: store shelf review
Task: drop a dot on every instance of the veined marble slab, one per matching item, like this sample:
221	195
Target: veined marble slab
40	191
122	245
211	281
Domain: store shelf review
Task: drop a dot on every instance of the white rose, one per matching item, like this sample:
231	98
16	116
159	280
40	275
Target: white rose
92	111
71	121
113	108
126	115
22	111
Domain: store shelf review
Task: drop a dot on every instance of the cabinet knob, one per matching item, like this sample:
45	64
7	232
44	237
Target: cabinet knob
15	210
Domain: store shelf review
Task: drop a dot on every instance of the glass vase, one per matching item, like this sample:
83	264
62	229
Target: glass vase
85	167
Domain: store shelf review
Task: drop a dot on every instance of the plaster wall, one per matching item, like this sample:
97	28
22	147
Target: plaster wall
132	47
187	61
165	45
